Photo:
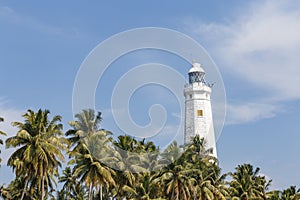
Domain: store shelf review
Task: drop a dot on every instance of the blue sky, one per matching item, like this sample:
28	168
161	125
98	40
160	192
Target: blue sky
255	44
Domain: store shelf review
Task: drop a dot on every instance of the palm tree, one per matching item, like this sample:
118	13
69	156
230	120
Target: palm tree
218	182
1	133
136	160
4	192
90	151
91	171
170	154
273	195
290	194
146	146
15	190
129	159
86	123
70	182
146	188
176	178
72	189
209	184
39	151
198	148
247	184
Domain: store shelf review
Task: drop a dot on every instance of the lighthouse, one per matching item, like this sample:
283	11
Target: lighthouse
198	112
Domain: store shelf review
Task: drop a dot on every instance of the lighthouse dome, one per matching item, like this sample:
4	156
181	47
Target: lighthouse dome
196	67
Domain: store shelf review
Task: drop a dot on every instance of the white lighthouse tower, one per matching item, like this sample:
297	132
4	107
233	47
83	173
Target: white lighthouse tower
198	113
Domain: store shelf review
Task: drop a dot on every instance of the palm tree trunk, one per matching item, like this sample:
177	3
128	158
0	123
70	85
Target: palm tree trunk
100	192
90	192
172	196
24	189
43	189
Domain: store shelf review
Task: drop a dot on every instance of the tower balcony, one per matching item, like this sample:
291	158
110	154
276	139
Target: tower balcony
197	87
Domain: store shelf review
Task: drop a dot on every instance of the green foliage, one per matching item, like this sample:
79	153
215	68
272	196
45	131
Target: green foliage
101	167
39	152
247	184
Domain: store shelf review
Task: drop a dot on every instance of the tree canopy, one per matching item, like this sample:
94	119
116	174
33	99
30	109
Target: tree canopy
101	166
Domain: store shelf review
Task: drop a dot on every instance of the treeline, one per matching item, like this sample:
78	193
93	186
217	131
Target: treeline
89	164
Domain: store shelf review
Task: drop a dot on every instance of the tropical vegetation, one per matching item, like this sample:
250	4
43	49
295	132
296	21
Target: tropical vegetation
88	162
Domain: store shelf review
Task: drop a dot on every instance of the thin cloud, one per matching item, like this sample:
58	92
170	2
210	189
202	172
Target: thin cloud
260	44
10	115
10	15
6	11
250	112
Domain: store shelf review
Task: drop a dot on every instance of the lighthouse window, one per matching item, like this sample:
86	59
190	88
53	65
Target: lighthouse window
199	113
